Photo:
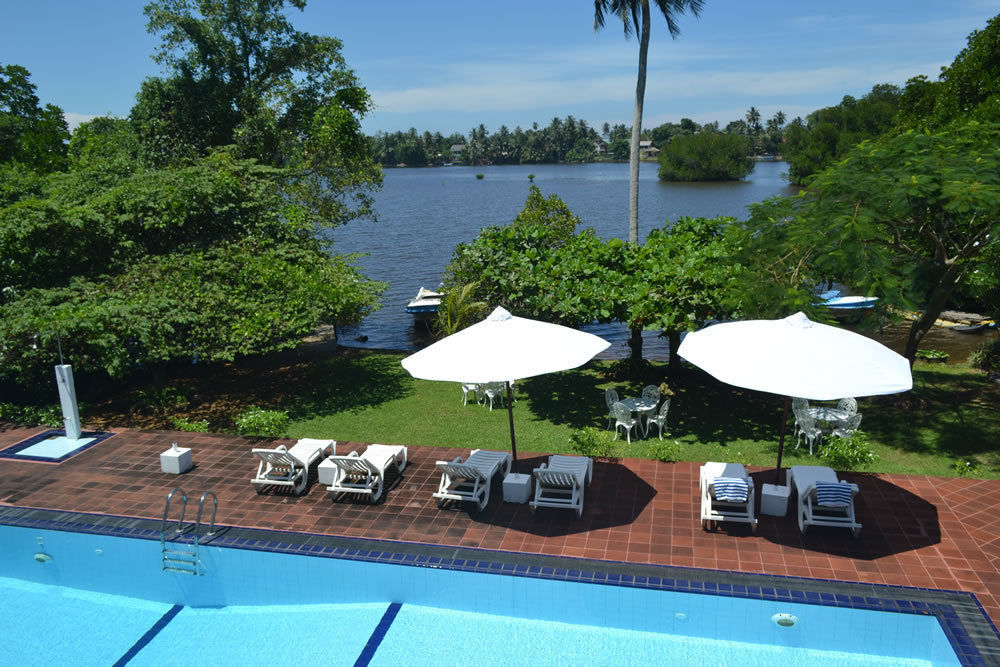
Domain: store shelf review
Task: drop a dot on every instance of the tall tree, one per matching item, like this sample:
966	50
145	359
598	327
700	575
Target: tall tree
30	135
242	74
635	16
907	218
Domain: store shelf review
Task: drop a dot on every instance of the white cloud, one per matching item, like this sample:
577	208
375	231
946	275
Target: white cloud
75	120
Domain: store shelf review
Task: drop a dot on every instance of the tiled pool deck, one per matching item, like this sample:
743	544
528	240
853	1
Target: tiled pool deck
923	532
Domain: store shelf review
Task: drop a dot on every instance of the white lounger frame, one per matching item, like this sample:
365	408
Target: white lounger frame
803	480
561	483
712	510
471	480
365	473
289	467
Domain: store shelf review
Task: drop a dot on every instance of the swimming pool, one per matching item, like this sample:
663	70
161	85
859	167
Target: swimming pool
419	609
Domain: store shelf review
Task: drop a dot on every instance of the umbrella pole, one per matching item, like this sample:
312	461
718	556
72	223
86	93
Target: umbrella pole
781	441
510	417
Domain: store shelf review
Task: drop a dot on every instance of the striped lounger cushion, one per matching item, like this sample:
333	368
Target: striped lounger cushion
730	489
830	494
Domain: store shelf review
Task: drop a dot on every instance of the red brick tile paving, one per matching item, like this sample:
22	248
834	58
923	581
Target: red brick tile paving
918	531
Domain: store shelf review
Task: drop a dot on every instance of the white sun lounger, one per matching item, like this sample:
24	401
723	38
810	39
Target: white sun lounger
561	482
719	507
470	480
809	511
290	467
365	473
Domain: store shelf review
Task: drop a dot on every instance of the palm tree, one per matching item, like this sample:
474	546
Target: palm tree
635	15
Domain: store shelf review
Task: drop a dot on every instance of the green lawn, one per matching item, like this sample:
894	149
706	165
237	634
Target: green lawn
952	413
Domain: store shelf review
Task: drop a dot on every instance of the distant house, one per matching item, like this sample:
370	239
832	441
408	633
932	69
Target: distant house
600	146
456	150
647	150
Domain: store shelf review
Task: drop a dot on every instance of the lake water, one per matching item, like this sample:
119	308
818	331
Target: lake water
425	213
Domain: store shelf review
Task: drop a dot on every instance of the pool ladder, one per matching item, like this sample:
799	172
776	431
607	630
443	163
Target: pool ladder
181	556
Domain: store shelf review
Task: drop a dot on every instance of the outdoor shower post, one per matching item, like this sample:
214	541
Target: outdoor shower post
67	397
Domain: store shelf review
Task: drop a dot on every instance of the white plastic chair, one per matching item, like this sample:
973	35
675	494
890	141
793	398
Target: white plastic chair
365	473
714	510
809	511
470	480
624	419
660	418
561	483
289	467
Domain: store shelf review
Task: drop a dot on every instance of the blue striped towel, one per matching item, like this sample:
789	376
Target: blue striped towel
831	494
730	489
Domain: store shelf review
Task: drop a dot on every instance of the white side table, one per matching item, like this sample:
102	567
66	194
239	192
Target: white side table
327	472
774	500
516	488
176	460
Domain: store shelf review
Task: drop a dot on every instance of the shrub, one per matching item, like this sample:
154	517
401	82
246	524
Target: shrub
480	176
591	442
182	424
31	415
965	468
852	453
667	451
986	357
261	422
932	355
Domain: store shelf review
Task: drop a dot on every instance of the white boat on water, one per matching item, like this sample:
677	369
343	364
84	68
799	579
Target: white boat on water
425	303
851	302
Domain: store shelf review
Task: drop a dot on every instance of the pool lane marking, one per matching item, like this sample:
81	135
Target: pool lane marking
368	652
148	637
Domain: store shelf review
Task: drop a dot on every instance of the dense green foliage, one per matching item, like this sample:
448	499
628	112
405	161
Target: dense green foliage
829	133
205	261
188	231
906	218
540	267
968	89
706	156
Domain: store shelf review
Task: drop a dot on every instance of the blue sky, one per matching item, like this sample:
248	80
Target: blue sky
448	65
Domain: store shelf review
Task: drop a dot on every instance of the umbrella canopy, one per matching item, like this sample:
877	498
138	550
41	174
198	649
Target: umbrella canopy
797	357
503	348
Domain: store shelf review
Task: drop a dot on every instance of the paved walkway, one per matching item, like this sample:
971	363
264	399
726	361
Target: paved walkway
918	531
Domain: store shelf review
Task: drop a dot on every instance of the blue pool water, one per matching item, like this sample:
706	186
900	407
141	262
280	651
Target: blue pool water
105	598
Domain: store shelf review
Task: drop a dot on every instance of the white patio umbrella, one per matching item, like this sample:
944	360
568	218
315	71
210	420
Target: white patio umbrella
503	348
797	357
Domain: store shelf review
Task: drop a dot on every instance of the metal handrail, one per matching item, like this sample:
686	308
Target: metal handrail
201	506
166	510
